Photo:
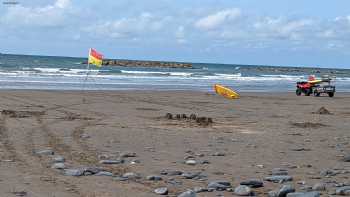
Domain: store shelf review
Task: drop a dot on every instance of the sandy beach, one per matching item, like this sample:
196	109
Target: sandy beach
248	138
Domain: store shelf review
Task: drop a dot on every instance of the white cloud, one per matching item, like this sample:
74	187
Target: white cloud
180	35
47	16
216	20
144	24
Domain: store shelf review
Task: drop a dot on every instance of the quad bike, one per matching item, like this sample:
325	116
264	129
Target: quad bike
317	87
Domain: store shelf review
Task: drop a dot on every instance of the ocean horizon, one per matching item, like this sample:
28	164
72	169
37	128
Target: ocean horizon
68	73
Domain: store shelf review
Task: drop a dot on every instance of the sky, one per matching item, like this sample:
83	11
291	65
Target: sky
270	32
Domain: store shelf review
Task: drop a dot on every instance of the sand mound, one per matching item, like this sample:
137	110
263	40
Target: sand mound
323	111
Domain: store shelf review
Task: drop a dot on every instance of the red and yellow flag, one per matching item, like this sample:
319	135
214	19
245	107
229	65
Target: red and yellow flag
95	58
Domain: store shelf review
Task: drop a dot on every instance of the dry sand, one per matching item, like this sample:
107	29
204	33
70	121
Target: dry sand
256	133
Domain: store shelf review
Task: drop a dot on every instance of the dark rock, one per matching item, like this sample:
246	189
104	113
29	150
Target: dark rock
329	172
190	175
200	189
154	178
253	183
346	158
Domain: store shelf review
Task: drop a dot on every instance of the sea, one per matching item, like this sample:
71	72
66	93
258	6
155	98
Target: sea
67	73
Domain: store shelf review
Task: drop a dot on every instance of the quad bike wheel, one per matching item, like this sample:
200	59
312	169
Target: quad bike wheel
308	92
298	92
330	94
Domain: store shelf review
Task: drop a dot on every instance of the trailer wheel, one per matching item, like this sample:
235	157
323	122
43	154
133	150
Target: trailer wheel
330	94
298	92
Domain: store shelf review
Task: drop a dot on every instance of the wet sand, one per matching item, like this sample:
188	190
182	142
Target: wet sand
247	139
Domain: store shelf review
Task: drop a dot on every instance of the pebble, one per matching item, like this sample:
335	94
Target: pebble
285	189
119	178
190	175
58	159
253	183
111	162
104	173
328	172
279	171
346	158
319	187
131	175
84	136
161	191
191	162
188	193
127	154
200	189
343	191
74	172
58	166
219	185
154	178
44	152
171	172
219	154
278	179
243	190
301	194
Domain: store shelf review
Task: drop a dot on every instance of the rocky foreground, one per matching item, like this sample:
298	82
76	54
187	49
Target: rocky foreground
180	144
139	63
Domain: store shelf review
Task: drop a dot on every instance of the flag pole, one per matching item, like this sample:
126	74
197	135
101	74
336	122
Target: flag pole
87	75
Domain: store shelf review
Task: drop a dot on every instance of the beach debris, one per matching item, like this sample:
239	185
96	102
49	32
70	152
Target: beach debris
323	111
44	152
219	185
191	162
188	193
308	125
243	190
202	121
253	183
22	114
161	191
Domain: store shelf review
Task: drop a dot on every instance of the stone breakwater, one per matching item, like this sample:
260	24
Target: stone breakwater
140	63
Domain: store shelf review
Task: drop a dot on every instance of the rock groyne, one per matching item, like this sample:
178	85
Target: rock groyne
142	63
